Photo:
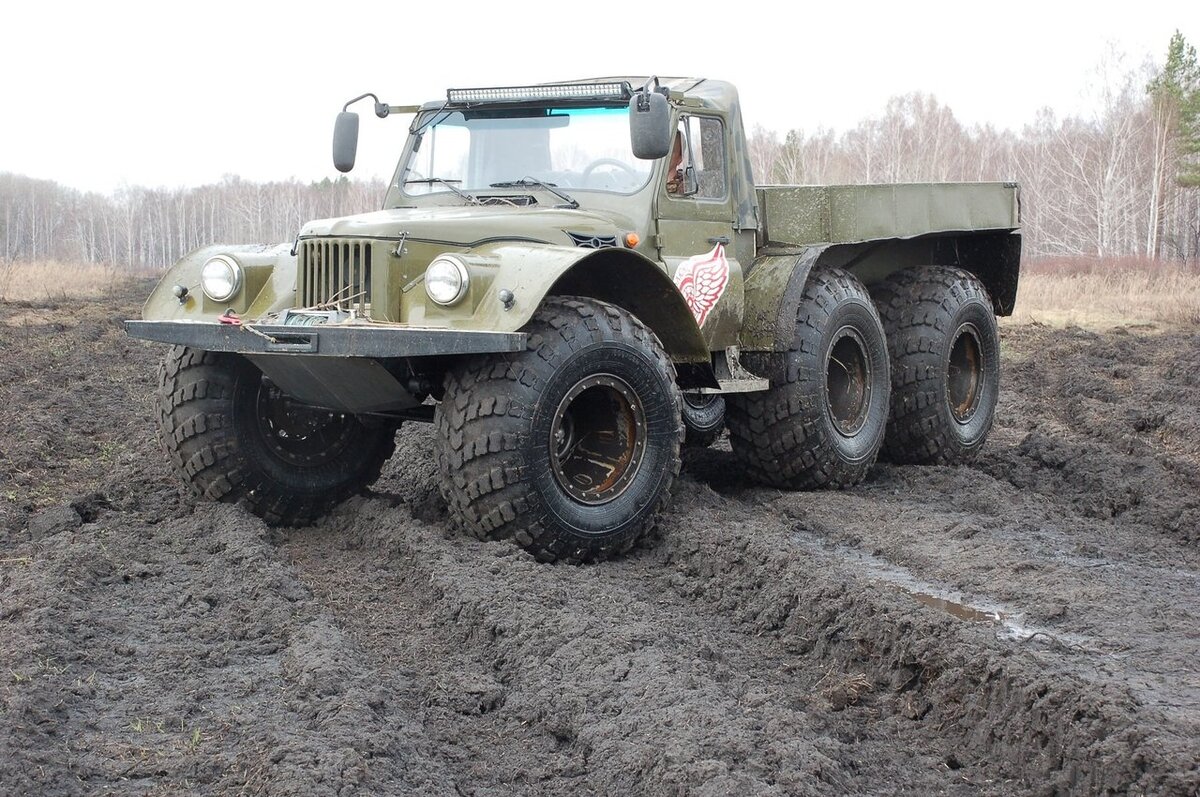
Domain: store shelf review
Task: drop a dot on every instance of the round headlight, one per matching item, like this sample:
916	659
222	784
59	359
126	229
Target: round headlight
221	277
447	280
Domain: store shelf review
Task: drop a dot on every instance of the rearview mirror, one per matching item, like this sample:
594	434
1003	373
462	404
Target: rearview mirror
649	125
345	141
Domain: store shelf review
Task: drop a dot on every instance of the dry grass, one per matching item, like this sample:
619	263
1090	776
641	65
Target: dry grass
48	280
1102	294
843	689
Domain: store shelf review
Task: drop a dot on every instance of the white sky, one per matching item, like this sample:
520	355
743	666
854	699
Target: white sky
97	95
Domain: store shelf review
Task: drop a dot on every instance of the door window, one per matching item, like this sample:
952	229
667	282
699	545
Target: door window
697	162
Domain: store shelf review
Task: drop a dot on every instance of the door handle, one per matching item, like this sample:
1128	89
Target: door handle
719	239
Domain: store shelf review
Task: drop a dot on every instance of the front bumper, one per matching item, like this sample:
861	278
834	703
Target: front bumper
348	340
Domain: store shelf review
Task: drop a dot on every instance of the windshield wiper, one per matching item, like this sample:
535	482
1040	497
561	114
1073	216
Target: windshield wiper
449	184
528	181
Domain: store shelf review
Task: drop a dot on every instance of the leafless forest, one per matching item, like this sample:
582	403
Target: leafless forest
1121	182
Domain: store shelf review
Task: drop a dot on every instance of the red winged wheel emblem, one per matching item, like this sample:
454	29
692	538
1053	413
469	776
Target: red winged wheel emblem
702	280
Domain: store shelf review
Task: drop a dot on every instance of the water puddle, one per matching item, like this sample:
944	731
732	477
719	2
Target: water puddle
959	610
1008	620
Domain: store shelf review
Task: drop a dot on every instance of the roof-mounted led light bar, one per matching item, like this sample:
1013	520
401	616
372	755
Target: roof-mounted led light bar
564	91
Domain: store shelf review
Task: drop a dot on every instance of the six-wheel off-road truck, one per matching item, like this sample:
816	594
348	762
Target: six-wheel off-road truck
572	280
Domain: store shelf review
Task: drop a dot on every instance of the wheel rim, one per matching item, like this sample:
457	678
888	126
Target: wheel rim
964	373
598	439
848	381
298	434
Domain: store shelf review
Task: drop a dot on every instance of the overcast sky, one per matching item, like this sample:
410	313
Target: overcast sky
104	94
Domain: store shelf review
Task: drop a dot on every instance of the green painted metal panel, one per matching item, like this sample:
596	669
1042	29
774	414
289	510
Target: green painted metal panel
802	215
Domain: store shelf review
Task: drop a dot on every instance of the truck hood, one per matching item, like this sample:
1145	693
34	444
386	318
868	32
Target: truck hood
470	226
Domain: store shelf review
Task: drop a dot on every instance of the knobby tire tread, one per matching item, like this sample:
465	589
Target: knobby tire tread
777	434
917	307
196	430
483	421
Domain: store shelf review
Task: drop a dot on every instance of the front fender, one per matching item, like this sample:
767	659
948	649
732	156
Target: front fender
619	276
269	284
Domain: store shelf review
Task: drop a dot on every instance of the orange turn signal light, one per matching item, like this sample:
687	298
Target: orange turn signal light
632	239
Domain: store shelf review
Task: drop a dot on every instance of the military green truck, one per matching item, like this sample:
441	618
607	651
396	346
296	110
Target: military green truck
571	281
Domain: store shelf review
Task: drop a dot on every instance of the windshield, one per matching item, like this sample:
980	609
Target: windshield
571	149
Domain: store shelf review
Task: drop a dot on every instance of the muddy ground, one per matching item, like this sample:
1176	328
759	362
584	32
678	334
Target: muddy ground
1027	625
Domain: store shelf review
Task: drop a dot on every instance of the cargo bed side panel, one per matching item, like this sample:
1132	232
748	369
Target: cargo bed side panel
802	215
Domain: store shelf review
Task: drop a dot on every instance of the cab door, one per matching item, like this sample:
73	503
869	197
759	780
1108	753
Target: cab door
696	237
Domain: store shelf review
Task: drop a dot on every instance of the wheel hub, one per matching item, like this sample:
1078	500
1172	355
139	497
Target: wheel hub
964	377
299	434
848	381
597	439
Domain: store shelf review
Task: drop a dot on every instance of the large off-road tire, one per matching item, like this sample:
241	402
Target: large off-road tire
571	447
703	419
822	421
945	352
232	436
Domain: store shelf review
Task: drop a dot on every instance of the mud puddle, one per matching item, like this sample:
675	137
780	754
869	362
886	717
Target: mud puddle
1010	622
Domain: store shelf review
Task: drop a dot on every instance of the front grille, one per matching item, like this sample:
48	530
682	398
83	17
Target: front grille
335	274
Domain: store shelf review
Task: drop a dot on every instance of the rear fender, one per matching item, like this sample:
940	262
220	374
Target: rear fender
992	256
775	283
774	288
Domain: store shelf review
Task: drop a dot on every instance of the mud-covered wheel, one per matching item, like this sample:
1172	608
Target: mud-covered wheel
703	419
822	421
945	353
571	447
233	436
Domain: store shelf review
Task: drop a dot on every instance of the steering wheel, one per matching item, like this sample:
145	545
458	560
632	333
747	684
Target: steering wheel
596	164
